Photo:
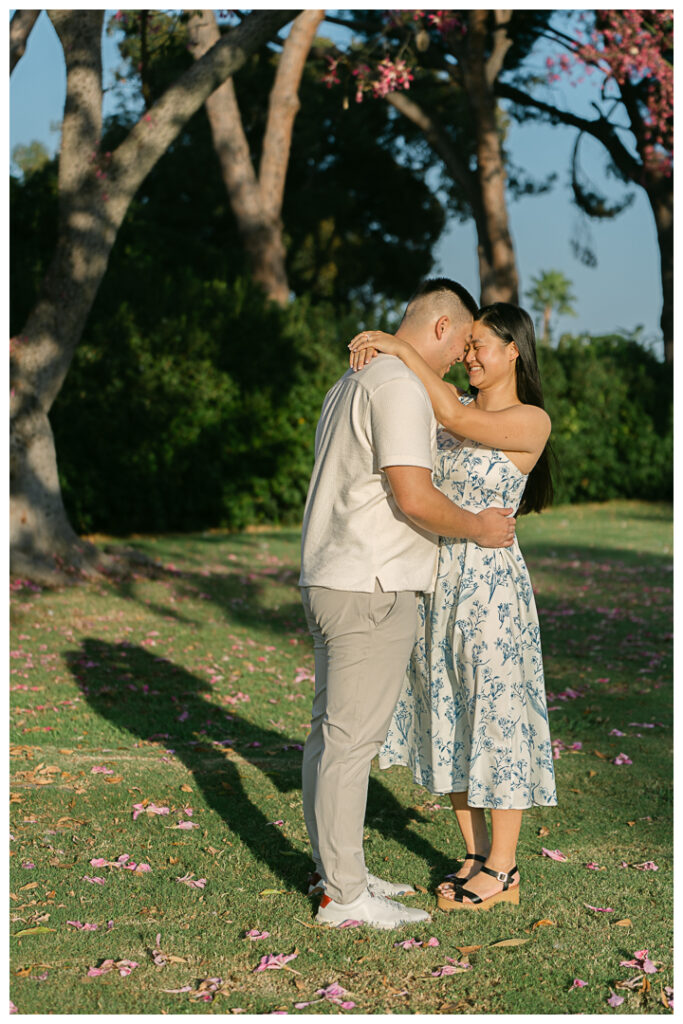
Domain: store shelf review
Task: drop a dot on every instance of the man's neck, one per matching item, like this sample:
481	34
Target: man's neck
416	341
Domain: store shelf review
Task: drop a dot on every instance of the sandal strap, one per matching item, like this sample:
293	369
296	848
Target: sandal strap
462	891
502	876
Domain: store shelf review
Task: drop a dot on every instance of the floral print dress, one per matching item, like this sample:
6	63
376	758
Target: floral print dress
472	715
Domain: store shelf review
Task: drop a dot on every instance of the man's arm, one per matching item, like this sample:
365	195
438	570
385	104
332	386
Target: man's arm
427	507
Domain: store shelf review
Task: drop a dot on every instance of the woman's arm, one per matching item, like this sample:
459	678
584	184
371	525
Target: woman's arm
519	428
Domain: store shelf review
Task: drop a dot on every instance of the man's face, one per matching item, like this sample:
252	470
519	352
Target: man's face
452	345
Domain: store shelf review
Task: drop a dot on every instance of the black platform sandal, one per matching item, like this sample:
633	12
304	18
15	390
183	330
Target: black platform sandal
450	884
508	894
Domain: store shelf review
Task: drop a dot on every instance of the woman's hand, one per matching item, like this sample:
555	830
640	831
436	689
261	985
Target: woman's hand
366	345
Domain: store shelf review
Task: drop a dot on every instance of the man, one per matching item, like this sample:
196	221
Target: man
370	541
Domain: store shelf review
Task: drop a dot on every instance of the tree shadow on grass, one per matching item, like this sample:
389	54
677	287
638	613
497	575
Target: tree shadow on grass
179	708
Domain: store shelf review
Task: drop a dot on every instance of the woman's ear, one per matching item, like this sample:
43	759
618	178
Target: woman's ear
513	351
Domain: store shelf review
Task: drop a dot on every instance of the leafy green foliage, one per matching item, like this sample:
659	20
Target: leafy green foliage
611	403
205	419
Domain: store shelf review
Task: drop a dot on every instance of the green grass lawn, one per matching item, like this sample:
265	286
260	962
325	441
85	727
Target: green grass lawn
188	688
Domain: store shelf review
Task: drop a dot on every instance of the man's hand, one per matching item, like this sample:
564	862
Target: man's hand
495	528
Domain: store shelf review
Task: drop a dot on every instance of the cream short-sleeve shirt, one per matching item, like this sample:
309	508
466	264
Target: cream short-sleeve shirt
353	532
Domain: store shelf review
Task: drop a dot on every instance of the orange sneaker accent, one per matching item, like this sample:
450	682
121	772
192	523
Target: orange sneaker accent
325	900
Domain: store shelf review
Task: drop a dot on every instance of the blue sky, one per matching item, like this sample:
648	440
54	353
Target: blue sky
624	289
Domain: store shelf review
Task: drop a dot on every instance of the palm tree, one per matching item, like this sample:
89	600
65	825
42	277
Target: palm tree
551	292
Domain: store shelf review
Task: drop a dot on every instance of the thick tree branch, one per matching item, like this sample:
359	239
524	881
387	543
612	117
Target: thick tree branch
437	139
501	44
19	30
283	107
158	128
600	129
227	131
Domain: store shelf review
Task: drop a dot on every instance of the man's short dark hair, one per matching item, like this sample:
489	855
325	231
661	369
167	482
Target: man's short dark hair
444	284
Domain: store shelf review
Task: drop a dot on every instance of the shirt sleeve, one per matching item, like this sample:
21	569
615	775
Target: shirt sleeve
402	424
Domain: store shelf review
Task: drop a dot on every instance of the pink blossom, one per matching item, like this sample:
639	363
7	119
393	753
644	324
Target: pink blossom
616	732
12	1007
622	759
640	962
100	769
275	962
600	910
192	883
408	944
96	880
350	923
553	854
648	865
432	942
578	983
186	825
593	866
614	999
278	822
83	927
255	934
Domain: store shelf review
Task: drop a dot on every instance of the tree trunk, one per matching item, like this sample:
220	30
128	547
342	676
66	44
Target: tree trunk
19	30
661	201
95	191
547	313
499	281
257	201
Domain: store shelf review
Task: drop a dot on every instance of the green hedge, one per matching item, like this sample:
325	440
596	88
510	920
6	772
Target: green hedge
207	418
204	420
611	403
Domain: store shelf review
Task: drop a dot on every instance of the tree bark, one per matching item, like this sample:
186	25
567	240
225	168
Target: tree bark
19	30
662	202
659	189
95	191
499	279
256	201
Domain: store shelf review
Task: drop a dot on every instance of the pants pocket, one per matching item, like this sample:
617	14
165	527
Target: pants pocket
381	606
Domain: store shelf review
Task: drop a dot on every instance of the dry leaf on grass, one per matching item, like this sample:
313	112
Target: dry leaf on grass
624	923
540	924
510	942
467	949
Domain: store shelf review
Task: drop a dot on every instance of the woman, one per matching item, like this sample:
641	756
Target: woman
472	718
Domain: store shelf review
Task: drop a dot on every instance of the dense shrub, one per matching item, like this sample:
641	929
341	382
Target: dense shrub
206	419
611	403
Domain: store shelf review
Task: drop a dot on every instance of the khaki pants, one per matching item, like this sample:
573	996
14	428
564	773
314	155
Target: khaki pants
362	644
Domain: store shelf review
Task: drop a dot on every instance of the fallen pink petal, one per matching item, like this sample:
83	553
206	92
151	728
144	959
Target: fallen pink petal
553	854
593	866
432	942
275	962
600	910
255	934
579	983
96	879
622	759
616	732
648	865
99	769
614	999
350	923
12	1007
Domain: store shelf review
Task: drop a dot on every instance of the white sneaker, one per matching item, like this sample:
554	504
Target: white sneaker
378	886
376	911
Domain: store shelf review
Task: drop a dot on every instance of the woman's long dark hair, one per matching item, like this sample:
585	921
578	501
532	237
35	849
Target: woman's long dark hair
512	323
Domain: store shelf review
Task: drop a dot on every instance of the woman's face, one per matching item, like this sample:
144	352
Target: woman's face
488	359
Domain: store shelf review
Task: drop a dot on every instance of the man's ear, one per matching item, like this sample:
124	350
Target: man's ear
441	326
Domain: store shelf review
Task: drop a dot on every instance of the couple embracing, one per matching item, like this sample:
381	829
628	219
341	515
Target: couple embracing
425	632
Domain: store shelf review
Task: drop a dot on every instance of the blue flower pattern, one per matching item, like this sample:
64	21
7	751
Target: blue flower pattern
472	715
